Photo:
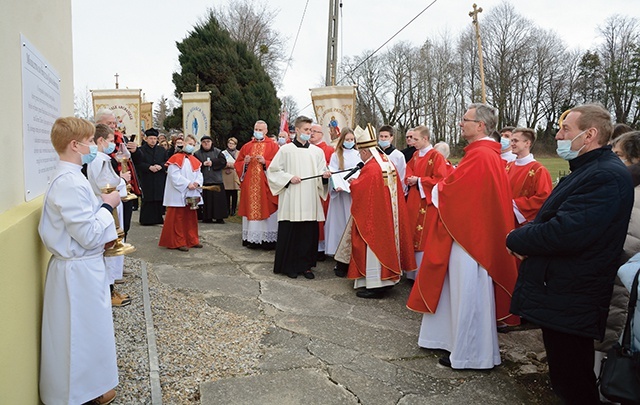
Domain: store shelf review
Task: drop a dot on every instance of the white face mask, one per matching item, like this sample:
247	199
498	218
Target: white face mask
505	143
564	147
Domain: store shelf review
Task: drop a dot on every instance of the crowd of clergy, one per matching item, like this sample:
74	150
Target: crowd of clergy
459	233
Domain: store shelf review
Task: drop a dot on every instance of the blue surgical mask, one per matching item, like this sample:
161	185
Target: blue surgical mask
189	148
348	144
564	147
305	137
110	148
384	144
505	143
258	135
93	152
282	141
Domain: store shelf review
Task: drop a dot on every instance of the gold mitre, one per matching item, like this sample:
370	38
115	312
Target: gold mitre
562	117
365	138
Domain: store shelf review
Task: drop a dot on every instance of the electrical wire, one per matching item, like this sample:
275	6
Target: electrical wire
389	40
304	12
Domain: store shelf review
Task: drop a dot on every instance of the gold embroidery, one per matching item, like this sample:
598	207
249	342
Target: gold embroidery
532	173
430	162
423	211
419	227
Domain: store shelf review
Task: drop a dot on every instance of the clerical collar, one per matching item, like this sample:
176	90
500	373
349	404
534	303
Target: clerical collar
525	160
300	145
389	149
425	150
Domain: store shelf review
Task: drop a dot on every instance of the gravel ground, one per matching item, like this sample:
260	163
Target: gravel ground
196	342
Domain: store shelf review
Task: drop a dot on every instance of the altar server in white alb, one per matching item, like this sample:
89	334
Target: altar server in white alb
300	201
78	356
101	174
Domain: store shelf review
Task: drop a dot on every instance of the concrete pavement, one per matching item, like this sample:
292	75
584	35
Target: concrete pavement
325	345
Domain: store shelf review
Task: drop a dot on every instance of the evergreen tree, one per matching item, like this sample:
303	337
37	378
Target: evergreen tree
241	91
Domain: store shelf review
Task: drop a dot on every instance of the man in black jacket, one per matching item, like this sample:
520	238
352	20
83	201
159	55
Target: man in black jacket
570	252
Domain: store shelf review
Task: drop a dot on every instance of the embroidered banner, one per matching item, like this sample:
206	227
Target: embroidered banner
125	104
335	108
196	113
146	117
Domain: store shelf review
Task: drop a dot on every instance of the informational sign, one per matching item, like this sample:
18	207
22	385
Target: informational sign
41	106
335	108
196	113
125	104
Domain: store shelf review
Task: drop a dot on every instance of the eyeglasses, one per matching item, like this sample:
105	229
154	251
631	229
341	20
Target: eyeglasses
469	120
316	132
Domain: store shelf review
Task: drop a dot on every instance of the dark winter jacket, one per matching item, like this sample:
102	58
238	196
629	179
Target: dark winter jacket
573	247
211	174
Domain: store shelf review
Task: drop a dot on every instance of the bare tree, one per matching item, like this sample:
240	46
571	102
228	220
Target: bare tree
621	62
290	107
83	104
163	109
251	22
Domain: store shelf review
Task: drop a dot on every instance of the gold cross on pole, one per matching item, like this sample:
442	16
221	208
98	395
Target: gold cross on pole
474	15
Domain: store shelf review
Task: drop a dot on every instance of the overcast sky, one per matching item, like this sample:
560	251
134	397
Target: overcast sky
136	39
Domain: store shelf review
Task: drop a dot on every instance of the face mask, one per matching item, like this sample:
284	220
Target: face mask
348	144
505	143
189	148
110	148
564	148
305	137
282	141
258	135
93	152
384	144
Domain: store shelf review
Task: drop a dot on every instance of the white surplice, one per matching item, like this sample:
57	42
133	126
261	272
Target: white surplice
298	202
176	188
78	353
465	321
100	174
340	203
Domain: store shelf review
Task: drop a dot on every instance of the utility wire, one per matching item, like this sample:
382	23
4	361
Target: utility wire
389	40
381	46
296	40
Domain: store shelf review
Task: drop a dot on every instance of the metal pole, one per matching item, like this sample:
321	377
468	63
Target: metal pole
332	44
474	15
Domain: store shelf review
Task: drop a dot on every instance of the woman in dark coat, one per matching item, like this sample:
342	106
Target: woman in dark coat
213	161
152	174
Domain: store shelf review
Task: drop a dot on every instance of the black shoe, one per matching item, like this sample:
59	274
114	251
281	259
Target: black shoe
309	275
219	221
340	271
321	257
252	245
292	275
370	293
445	361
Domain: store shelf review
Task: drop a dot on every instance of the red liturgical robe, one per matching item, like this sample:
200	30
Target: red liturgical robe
431	168
328	151
530	187
475	207
256	201
373	225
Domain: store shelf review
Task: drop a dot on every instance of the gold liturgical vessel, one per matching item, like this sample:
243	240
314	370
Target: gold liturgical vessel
192	202
119	248
124	167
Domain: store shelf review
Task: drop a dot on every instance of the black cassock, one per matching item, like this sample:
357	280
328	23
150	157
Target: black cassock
214	202
152	183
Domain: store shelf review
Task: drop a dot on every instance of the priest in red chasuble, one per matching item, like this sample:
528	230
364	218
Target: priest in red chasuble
425	168
379	242
258	206
530	180
466	277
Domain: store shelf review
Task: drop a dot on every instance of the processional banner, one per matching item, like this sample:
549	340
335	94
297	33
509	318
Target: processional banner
335	108
146	116
196	113
125	104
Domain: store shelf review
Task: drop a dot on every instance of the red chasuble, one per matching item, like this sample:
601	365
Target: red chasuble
530	187
431	168
475	207
256	201
373	225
